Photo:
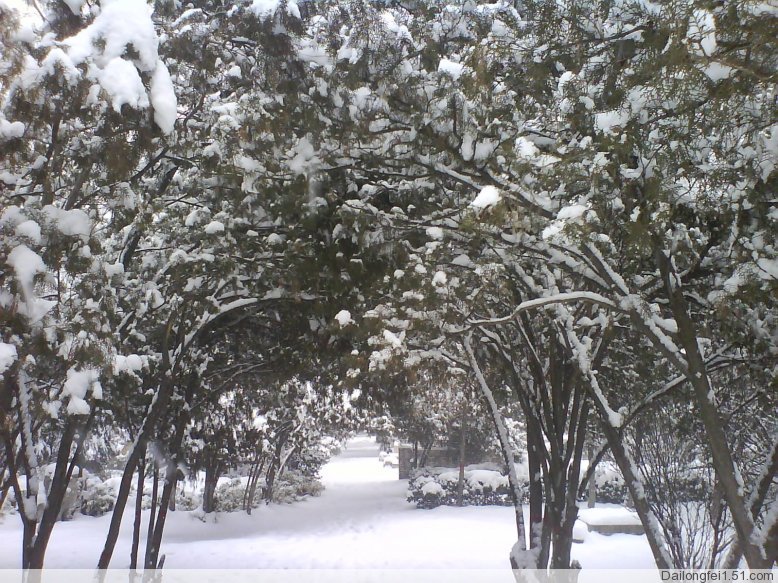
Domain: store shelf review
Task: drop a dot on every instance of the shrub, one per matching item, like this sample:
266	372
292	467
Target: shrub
97	498
229	496
294	485
485	485
186	500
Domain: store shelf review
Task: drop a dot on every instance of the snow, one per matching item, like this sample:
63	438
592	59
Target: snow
264	8
608	514
129	363
303	157
392	339
119	45
7	356
120	24
702	29
463	261
75	6
30	230
432	488
610	121
435	233
574	211
488	196
487	479
768	267
344	318
121	81
163	98
361	521
73	223
451	68
10	130
76	387
214	227
26	263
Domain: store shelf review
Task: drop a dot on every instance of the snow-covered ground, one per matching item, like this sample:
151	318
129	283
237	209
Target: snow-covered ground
360	521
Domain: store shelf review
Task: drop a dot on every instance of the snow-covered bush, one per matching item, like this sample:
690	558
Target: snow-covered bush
612	491
97	497
485	485
187	500
295	485
229	496
290	487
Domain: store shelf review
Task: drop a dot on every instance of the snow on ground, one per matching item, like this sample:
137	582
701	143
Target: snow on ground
360	521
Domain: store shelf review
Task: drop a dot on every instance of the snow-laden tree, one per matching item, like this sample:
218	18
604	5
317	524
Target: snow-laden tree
82	101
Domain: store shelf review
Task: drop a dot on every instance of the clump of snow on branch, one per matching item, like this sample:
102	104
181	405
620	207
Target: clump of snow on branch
488	196
122	28
77	385
343	318
7	356
451	68
266	8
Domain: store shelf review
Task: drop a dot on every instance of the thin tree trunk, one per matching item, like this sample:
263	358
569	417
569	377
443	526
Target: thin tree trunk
169	489
564	540
152	513
758	498
517	562
285	461
534	441
592	494
28	530
152	552
158	405
257	478
57	490
462	442
726	471
29	503
621	454
637	492
275	466
138	514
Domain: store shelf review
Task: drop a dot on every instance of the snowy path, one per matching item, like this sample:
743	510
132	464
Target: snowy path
361	520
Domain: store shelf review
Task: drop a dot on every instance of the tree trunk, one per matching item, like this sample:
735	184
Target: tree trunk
209	488
275	466
591	499
14	476
726	471
462	442
635	486
758	498
517	562
563	542
534	445
168	491
57	490
138	513
152	513
251	488
158	405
